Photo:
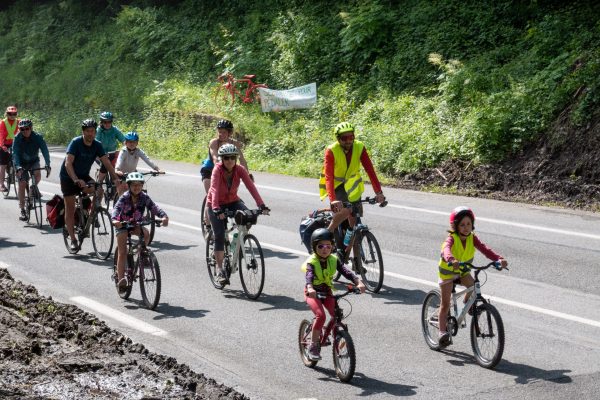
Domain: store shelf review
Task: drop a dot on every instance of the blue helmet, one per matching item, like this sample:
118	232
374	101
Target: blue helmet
106	116
132	136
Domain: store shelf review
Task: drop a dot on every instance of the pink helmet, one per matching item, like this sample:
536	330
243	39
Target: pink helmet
459	213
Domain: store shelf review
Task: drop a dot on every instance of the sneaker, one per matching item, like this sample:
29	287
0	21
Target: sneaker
122	286
23	216
74	245
314	353
444	339
222	279
3	189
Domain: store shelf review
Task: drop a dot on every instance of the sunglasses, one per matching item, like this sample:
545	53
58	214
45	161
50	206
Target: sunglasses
106	122
24	129
347	138
324	246
11	114
228	157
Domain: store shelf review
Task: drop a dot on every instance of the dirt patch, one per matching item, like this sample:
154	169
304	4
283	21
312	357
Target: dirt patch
50	350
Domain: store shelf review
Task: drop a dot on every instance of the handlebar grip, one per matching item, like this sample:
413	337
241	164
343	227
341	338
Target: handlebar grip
383	203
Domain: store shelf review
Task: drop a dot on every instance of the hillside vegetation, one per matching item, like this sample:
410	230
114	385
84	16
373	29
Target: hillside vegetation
424	80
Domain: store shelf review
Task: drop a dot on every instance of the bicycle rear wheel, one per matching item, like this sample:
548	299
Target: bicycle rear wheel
369	261
344	356
252	267
429	319
487	335
28	204
204	224
304	342
152	228
128	267
38	210
150	281
103	234
211	263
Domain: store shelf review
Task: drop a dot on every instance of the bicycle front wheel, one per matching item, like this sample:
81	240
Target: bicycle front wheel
344	356
304	342
103	234
252	267
487	335
38	210
152	228
211	263
369	261
28	204
429	319
150	283
128	267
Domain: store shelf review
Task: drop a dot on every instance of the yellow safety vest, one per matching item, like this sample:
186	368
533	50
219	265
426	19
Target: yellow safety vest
349	175
11	129
462	254
322	275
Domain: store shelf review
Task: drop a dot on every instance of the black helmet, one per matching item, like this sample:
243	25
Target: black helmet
318	235
88	123
25	123
225	123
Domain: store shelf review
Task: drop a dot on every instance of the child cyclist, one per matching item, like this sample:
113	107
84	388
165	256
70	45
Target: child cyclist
128	159
320	267
459	247
132	207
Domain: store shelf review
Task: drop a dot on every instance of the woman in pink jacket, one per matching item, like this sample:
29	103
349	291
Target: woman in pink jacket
222	195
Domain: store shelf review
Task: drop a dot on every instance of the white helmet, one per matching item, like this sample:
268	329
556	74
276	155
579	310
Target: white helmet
228	150
134	177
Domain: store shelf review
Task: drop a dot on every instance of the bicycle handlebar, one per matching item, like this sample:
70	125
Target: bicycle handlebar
153	173
349	289
370	200
130	225
46	168
257	211
467	266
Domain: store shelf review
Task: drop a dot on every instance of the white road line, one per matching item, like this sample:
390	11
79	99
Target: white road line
118	316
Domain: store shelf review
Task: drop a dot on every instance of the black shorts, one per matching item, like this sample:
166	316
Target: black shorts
69	188
112	157
5	155
205	173
341	195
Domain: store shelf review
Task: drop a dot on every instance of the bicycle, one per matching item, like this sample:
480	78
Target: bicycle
141	264
233	88
249	256
344	354
33	200
204	223
486	323
10	178
91	216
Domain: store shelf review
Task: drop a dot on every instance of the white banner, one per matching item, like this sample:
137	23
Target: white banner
281	100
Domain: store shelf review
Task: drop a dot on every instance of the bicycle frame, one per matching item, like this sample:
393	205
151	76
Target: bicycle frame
233	257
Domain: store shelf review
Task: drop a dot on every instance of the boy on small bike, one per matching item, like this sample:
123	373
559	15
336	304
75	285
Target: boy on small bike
459	246
131	207
128	159
320	267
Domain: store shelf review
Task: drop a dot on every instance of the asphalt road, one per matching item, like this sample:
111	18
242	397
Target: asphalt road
549	300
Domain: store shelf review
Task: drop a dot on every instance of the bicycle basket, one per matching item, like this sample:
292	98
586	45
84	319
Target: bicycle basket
245	217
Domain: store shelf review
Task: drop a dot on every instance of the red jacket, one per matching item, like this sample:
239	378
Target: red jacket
219	194
4	139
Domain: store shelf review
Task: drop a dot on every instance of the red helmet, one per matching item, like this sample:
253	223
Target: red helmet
11	110
459	213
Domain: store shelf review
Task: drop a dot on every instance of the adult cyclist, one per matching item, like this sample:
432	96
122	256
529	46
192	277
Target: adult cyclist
109	135
341	180
8	130
26	155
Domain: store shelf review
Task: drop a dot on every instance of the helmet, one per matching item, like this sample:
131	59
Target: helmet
25	123
318	235
228	149
224	123
343	127
106	116
11	110
134	177
458	214
89	123
132	136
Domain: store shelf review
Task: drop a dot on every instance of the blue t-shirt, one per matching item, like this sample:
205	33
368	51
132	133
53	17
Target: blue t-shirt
84	157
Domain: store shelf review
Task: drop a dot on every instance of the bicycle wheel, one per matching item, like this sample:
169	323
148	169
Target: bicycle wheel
304	341
152	228
150	282
9	180
38	211
487	335
128	267
344	356
28	204
109	191
429	319
369	261
103	234
67	240
204	224
211	263
252	267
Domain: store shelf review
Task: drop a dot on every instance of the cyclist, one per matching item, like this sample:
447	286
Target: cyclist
26	149
320	267
340	179
459	247
107	134
132	207
8	130
225	181
128	158
75	170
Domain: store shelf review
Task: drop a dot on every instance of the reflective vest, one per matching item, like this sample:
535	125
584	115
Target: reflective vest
462	254
10	129
322	275
349	175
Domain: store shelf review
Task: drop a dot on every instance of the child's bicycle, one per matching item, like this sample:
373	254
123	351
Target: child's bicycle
336	332
33	200
141	264
487	329
249	257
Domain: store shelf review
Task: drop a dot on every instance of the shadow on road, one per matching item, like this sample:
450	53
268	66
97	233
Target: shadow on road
170	246
4	242
369	386
396	295
284	255
165	310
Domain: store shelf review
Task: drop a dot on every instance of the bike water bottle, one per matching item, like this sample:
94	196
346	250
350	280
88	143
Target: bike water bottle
347	237
234	242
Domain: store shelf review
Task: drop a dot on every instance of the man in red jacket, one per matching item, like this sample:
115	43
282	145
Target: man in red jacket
8	130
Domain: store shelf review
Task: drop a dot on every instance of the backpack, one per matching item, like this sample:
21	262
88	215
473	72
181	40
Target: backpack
308	224
55	211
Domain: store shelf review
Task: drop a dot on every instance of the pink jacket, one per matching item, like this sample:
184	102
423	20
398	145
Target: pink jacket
219	194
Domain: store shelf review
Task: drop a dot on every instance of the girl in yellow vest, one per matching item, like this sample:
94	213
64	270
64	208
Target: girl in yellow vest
459	247
8	131
320	268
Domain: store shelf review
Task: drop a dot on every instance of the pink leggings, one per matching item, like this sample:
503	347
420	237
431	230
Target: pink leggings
316	305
